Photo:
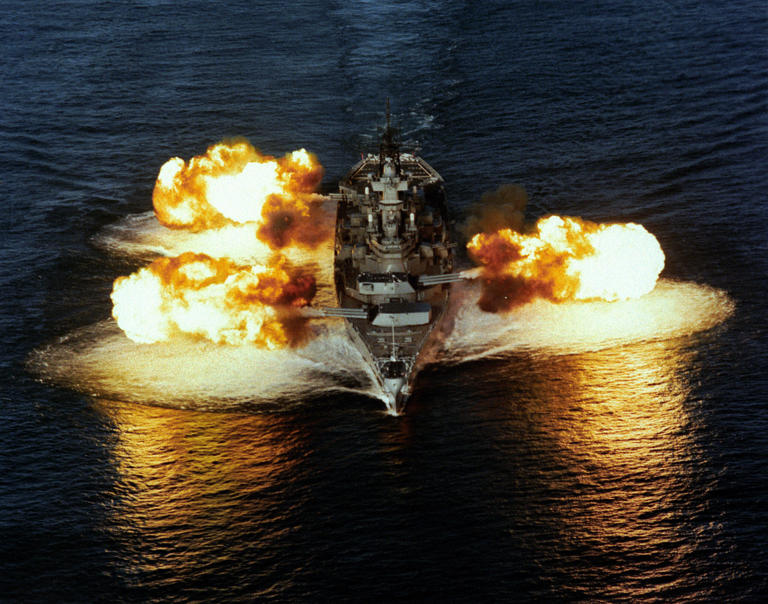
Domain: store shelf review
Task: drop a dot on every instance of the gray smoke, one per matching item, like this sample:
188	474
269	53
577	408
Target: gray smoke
503	208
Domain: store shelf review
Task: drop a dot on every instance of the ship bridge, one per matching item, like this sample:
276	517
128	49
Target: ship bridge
389	185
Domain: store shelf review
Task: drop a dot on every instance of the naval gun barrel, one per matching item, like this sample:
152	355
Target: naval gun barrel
323	312
428	280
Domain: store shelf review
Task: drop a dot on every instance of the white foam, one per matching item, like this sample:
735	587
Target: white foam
671	310
142	236
101	361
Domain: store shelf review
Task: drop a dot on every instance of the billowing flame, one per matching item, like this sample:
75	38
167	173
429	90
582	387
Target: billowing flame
213	298
566	259
217	298
233	183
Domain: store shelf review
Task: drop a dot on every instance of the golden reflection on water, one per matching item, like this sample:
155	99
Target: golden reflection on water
622	428
183	476
629	401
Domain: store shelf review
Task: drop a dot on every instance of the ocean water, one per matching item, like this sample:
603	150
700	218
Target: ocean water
596	452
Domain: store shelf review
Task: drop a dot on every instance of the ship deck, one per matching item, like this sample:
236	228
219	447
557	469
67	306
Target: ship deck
409	340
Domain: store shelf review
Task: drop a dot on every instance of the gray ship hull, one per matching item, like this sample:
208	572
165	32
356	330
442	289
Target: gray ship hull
393	258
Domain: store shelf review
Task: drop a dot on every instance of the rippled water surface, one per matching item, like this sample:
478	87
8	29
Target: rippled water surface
587	451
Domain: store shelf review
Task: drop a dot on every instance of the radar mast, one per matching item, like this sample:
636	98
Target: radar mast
389	147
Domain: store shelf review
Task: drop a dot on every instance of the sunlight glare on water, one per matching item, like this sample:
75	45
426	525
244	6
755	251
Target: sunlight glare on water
621	432
184	474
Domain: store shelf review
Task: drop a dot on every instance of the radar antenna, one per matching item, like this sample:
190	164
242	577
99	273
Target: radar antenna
389	147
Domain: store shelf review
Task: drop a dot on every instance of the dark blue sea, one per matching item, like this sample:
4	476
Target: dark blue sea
579	453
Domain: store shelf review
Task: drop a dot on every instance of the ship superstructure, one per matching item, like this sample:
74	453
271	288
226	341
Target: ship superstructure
393	260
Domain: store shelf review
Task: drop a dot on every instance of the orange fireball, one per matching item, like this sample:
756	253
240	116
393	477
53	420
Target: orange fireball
233	183
566	259
213	298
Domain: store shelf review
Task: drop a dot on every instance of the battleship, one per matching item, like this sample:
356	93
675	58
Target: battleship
393	261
